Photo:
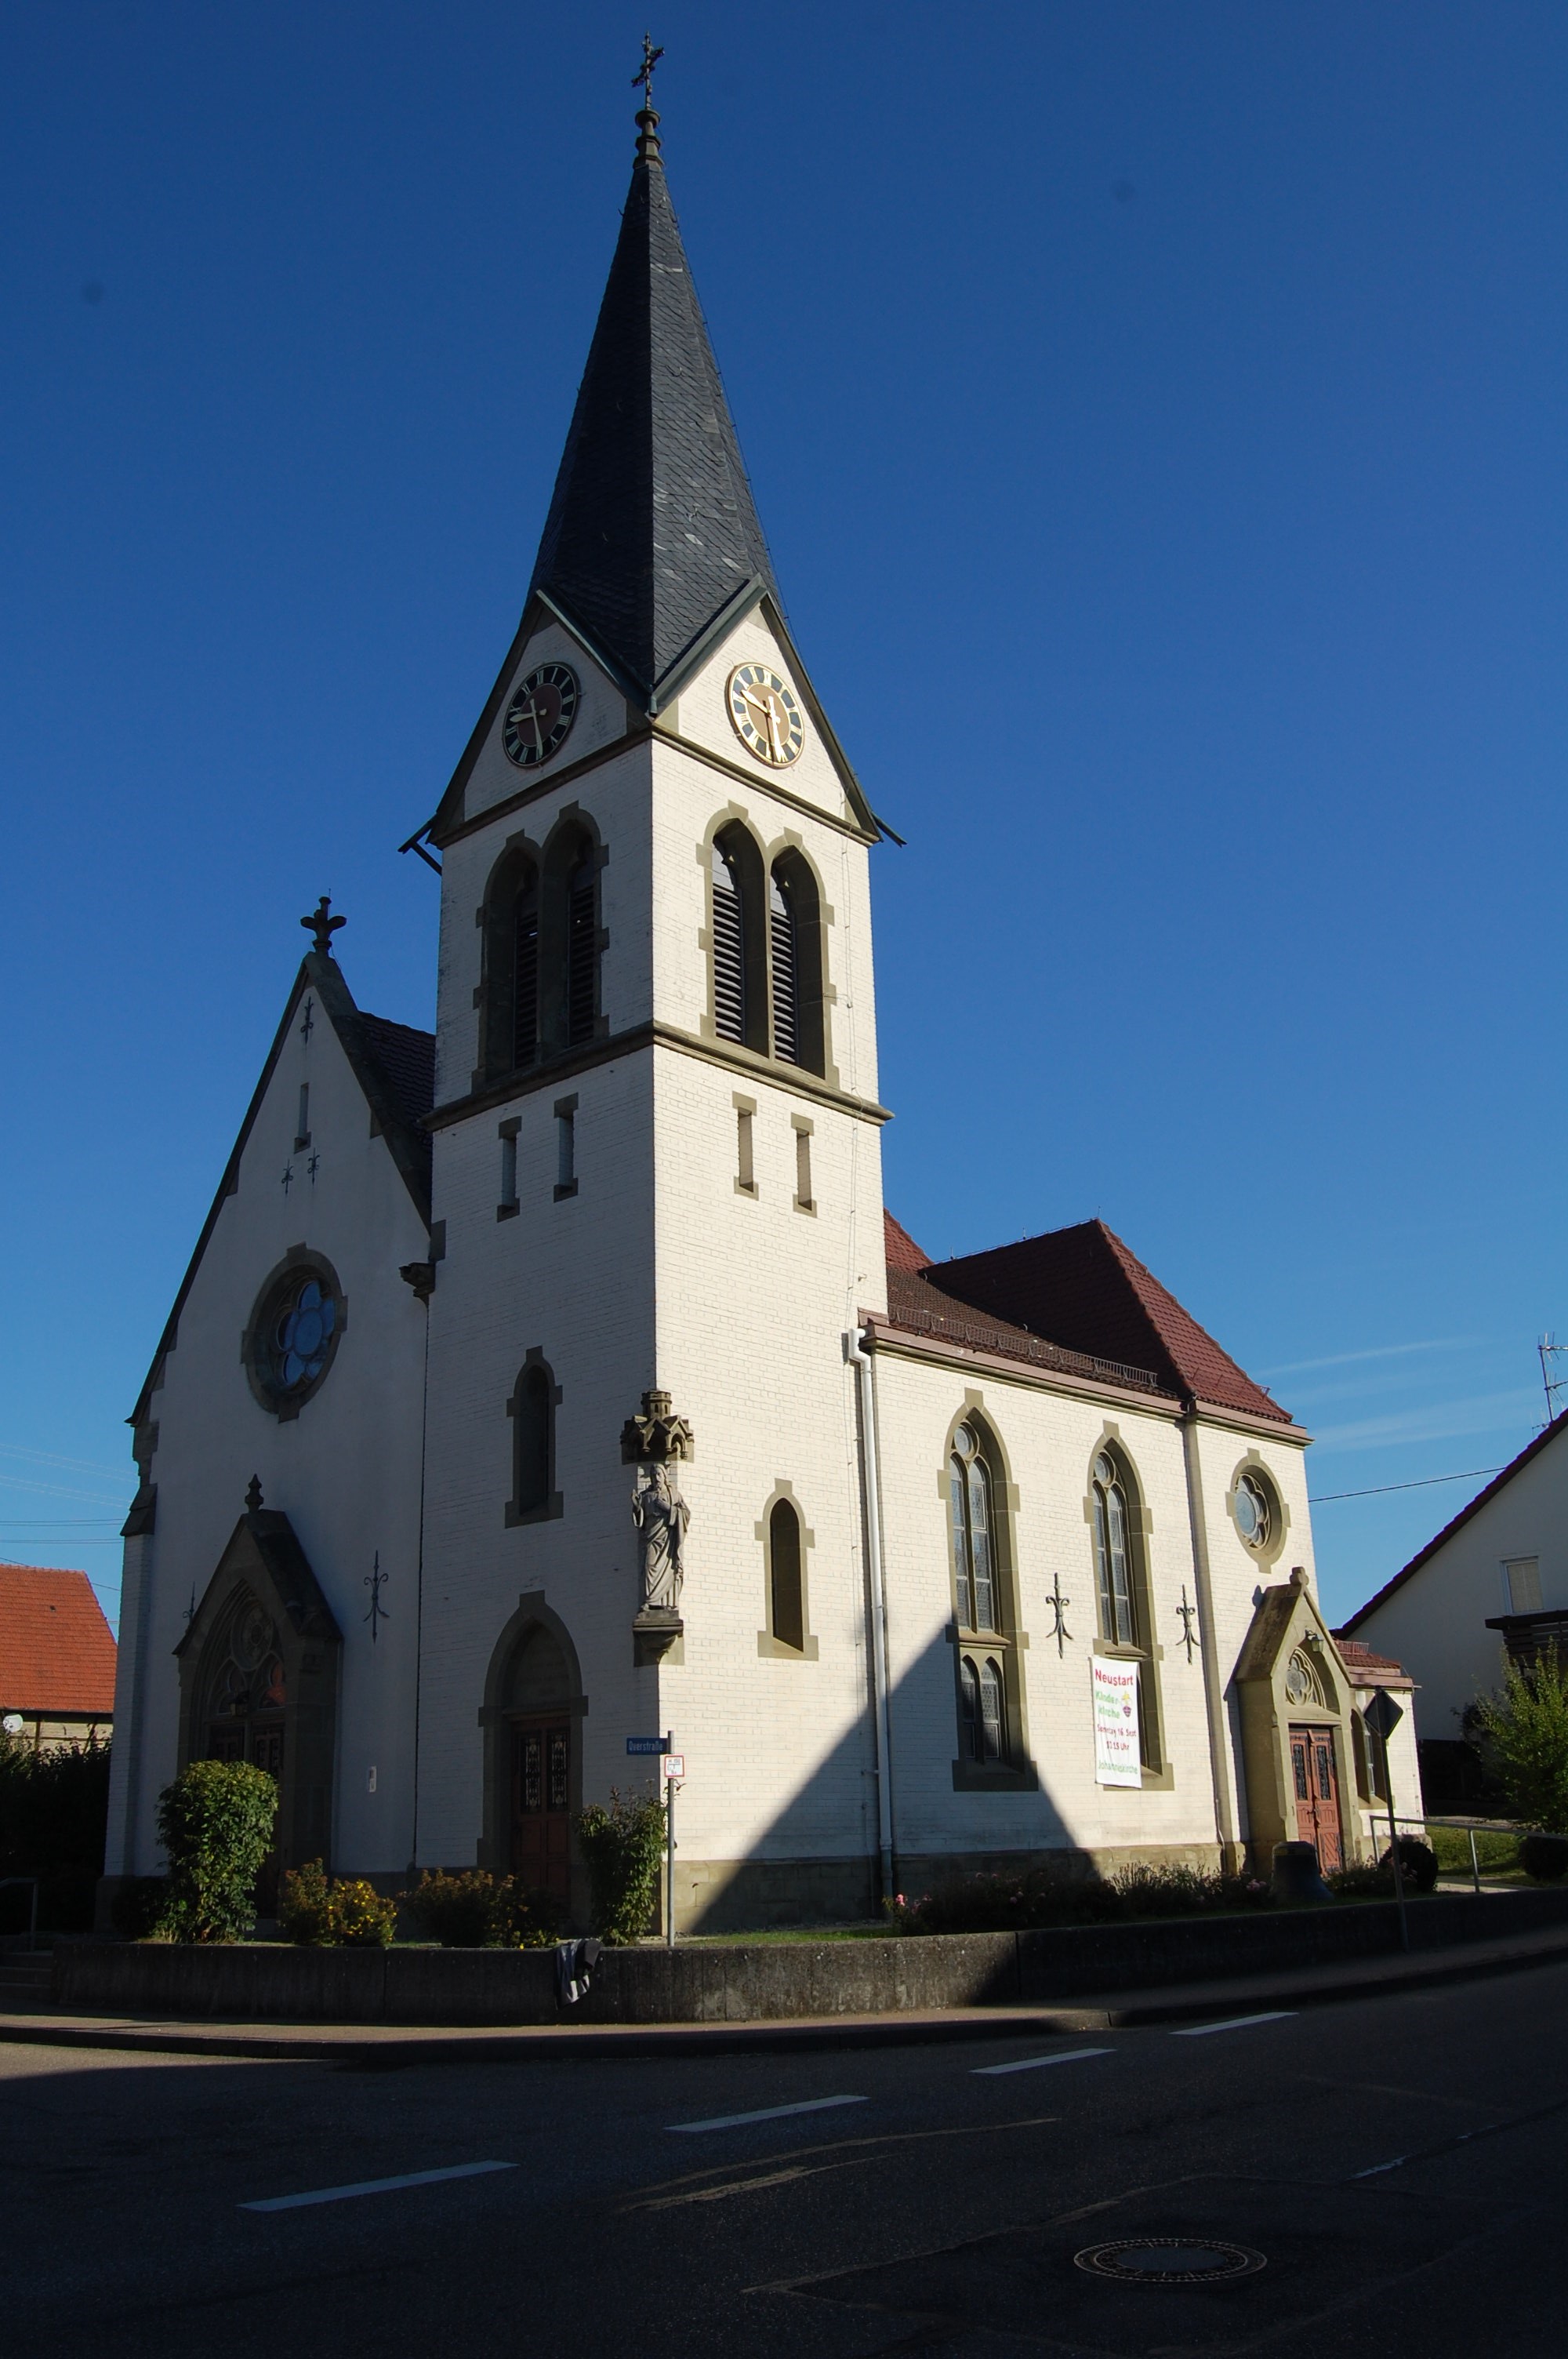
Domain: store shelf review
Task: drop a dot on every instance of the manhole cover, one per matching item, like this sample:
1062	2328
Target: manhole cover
1169	2260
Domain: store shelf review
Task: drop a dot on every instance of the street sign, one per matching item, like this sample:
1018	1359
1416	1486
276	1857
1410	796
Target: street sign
647	1744
1383	1715
674	1766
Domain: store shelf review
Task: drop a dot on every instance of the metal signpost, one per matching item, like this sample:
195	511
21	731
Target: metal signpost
1382	1716
674	1771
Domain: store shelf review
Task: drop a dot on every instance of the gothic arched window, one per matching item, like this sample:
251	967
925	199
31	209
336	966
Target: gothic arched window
728	947
1122	1587
581	949
244	1692
784	943
795	942
989	1708
525	967
787	1597
969	1495
532	1409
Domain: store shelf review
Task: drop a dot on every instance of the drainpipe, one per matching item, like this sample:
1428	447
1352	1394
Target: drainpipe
876	1590
1223	1770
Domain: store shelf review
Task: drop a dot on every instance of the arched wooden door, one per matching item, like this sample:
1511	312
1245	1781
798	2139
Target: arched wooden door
541	1819
1315	1778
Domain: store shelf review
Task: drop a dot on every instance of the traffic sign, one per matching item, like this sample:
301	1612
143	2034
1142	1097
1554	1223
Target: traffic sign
1383	1715
647	1744
674	1766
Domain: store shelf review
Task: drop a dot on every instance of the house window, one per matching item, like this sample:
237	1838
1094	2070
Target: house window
1121	1586
729	949
1521	1581
787	1595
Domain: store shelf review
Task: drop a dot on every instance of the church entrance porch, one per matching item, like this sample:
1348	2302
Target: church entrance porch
541	1811
1315	1781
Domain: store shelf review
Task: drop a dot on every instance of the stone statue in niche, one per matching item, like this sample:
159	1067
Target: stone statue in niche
661	1516
654	1441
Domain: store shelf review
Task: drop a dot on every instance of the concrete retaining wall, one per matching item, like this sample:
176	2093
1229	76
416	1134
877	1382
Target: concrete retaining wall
765	1980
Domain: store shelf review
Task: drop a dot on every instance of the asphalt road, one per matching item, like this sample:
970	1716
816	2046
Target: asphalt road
1397	2163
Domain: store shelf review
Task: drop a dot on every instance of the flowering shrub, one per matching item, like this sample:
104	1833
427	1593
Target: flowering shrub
346	1911
476	1910
1039	1898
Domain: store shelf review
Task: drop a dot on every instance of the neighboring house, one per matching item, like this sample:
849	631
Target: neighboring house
976	1550
1493	1583
57	1658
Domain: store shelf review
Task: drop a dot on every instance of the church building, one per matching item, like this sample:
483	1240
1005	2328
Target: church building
558	1379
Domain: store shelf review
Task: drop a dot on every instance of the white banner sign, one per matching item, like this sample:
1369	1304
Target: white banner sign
1115	1689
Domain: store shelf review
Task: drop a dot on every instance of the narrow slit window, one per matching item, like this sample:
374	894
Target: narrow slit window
582	952
788	1599
302	1126
784	945
507	1201
526	970
565	1148
805	1200
990	1711
969	1709
745	1152
729	950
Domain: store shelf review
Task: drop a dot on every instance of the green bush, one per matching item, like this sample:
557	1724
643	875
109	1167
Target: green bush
1044	1897
622	1847
215	1824
1524	1741
476	1910
1366	1881
1543	1857
361	1918
304	1906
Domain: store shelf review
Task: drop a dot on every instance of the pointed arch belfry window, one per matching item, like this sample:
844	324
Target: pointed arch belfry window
795	939
525	967
783	944
582	949
728	947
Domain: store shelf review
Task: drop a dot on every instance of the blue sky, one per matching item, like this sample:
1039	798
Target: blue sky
1178	387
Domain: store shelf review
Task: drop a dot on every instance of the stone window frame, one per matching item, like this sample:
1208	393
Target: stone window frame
575	833
1254	1463
297	1259
769	1643
1158	1776
552	1505
788	859
755	861
1009	1643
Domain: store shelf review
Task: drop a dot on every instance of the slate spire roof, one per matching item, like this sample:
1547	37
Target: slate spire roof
652	533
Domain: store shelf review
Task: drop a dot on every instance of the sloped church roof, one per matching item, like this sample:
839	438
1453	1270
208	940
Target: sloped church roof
652	533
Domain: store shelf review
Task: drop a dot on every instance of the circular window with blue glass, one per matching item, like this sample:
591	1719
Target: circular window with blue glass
293	1334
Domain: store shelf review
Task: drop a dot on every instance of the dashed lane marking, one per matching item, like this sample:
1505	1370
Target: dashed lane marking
1034	2063
767	2113
374	2186
1232	2023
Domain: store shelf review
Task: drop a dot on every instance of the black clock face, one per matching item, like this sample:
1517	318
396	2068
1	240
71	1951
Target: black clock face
541	713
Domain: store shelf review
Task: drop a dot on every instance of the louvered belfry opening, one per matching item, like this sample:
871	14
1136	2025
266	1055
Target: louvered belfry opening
582	947
729	950
785	942
525	969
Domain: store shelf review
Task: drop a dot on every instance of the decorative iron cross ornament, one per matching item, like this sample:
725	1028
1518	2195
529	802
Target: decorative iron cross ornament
644	75
375	1581
321	927
1059	1604
308	1022
1189	1637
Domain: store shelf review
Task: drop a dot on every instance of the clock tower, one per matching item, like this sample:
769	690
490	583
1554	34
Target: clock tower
657	1178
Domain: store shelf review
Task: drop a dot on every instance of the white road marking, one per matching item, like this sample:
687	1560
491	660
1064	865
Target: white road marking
767	2113
1378	2169
1233	2023
374	2186
1034	2063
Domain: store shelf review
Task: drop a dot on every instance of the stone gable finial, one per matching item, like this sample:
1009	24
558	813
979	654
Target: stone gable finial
253	1495
656	1435
322	926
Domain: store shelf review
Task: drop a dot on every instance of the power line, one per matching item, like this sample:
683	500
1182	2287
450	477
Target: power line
1425	1485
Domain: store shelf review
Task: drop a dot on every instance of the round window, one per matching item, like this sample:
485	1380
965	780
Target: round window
294	1333
1254	1512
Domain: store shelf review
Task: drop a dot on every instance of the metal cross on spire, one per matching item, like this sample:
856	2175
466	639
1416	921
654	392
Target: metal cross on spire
644	74
321	926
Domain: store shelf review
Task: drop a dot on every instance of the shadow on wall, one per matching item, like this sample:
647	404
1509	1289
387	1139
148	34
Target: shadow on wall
819	1861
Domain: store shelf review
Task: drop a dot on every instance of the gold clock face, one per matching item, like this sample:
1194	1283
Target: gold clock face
766	715
541	713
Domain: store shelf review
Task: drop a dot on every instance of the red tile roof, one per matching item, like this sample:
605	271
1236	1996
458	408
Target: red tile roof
56	1651
1368	1669
1083	1290
902	1253
1498	1482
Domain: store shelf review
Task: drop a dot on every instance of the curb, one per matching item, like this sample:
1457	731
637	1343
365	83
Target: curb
533	2044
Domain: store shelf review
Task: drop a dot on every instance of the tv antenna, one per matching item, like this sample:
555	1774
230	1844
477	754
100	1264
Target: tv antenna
1550	1352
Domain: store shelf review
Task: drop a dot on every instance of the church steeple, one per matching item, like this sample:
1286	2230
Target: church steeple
651	534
